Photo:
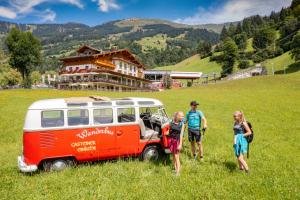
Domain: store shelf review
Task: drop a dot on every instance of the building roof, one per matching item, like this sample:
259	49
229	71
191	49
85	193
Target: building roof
84	47
103	54
175	74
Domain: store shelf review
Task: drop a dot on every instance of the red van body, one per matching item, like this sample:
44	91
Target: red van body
88	129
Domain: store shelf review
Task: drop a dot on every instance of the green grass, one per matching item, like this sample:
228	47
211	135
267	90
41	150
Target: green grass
249	47
194	64
271	103
279	63
158	41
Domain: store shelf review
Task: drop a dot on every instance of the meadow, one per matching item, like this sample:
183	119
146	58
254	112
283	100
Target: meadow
271	103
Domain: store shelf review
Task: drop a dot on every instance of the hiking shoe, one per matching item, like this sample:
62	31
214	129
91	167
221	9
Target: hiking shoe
247	172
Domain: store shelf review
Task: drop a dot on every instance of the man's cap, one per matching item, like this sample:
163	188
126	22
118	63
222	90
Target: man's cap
194	103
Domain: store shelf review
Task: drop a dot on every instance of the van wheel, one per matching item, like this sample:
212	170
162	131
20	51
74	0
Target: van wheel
57	165
152	153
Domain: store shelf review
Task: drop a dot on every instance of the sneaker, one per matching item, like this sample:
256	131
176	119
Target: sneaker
247	172
195	156
201	159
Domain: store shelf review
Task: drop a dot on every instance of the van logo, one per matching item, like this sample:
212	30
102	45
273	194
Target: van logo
85	133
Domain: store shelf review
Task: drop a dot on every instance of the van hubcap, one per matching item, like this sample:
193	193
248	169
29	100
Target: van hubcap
59	165
151	154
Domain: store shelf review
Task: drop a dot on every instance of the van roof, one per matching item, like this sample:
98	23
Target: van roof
92	101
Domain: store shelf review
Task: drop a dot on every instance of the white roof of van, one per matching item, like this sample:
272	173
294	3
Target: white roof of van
63	103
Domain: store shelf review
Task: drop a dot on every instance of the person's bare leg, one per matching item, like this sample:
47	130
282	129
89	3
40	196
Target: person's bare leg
243	162
200	146
193	148
177	163
240	165
174	162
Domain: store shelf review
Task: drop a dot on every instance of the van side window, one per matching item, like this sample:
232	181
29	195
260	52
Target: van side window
52	118
78	117
103	116
126	115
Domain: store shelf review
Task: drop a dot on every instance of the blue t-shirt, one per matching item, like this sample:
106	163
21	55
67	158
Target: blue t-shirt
194	119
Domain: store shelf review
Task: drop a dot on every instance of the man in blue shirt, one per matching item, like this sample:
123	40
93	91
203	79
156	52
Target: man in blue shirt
195	118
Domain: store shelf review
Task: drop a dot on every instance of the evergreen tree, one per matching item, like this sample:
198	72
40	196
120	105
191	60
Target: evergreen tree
239	28
264	38
241	40
230	55
231	30
204	48
296	47
224	33
295	3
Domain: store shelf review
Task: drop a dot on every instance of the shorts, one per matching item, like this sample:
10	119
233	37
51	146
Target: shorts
241	145
173	145
194	135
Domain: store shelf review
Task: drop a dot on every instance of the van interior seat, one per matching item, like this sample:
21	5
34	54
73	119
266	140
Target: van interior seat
147	133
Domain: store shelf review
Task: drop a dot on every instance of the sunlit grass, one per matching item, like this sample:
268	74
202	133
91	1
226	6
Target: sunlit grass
271	103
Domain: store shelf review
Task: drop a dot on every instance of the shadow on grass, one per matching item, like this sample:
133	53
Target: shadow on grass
164	160
295	67
231	166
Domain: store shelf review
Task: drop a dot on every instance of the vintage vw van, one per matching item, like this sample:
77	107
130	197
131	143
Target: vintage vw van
60	132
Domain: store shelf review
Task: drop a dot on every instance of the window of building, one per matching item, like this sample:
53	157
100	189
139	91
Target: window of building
78	117
103	116
126	115
52	118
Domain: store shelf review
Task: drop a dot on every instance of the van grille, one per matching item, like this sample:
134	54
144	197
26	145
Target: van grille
47	140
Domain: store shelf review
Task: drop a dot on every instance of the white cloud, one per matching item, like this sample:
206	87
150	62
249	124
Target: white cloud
47	16
234	10
19	8
107	5
7	13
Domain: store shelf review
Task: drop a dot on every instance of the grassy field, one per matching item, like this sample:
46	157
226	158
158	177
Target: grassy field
280	63
194	64
271	103
158	41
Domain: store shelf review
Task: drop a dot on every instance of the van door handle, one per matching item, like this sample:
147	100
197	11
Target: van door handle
119	133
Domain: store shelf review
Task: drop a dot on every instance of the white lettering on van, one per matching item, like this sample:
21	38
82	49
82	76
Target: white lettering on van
85	133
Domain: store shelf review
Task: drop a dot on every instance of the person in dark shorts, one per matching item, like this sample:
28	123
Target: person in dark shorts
195	118
175	139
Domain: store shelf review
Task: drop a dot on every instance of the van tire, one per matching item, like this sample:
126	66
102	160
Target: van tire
58	164
152	153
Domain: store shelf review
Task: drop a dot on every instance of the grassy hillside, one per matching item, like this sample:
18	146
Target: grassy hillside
274	160
194	64
158	41
138	22
249	47
279	63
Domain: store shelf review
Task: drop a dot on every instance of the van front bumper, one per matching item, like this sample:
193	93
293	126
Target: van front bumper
24	167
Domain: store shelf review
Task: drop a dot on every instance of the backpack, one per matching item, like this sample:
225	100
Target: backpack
251	136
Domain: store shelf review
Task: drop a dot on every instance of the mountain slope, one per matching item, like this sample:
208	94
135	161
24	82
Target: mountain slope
195	64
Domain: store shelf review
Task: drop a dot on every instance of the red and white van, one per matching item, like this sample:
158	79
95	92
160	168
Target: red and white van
59	132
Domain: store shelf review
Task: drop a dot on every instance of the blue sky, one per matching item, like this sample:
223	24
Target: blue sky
94	12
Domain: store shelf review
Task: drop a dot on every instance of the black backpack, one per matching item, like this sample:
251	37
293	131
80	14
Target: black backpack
251	136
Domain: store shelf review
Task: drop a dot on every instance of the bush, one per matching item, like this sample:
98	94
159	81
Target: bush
244	64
